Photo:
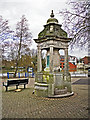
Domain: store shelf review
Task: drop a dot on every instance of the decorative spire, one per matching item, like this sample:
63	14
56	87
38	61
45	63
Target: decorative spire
52	14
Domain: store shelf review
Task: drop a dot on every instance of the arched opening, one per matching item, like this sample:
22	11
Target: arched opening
43	54
62	61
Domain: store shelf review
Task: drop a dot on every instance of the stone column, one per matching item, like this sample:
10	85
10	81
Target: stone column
67	76
39	60
51	78
51	59
66	60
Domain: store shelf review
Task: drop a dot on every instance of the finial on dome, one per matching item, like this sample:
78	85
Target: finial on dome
52	14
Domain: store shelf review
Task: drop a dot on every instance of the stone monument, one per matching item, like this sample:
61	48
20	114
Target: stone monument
52	82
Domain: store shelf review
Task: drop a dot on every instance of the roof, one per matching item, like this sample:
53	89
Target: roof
52	19
52	28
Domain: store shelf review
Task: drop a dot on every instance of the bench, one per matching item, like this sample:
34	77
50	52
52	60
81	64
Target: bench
15	82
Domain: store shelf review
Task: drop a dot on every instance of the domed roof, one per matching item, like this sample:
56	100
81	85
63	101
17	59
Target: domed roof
52	28
52	19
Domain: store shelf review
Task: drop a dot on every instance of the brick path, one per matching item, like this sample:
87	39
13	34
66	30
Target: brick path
26	105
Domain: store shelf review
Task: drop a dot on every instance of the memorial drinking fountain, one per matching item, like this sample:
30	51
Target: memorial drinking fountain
52	82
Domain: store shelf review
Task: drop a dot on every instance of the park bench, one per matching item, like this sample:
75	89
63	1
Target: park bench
15	82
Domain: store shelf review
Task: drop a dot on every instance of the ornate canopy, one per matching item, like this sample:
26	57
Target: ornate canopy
52	30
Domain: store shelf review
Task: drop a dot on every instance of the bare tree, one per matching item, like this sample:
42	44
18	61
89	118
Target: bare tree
9	46
76	22
4	27
25	39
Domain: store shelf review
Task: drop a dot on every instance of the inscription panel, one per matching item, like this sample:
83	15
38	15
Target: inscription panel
56	44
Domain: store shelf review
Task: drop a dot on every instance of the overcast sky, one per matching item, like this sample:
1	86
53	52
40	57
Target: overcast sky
37	12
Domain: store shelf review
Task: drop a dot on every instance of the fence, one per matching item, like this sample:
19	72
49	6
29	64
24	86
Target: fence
19	75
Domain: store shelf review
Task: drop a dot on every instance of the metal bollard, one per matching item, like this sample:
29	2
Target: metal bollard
32	74
25	74
19	75
8	75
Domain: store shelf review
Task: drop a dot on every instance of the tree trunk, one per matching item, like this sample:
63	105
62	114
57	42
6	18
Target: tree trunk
16	70
18	56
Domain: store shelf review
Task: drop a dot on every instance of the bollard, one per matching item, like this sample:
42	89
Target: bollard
25	74
32	74
19	75
8	75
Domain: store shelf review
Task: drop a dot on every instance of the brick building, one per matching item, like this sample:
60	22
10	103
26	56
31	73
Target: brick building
86	60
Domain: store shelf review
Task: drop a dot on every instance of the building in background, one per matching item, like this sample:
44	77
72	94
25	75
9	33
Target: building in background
72	63
86	60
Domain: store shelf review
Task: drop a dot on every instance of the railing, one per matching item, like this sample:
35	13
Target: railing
42	77
56	78
19	75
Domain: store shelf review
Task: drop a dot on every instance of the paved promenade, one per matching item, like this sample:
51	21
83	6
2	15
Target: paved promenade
24	104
